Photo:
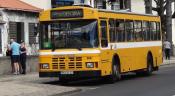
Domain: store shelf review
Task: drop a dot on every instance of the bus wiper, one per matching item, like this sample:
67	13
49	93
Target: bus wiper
79	48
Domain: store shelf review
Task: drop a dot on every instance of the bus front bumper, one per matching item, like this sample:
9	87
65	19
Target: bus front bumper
70	75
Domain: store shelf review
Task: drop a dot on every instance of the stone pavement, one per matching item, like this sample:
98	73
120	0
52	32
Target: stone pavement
32	85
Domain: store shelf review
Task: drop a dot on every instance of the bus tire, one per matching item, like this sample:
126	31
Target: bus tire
149	68
115	76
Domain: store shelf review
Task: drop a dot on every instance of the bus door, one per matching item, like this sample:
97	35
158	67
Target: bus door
105	50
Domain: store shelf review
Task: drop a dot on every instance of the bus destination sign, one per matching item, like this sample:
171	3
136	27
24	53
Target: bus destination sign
57	14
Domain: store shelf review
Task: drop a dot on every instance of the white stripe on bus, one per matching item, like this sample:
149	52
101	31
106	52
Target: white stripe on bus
135	44
71	52
113	45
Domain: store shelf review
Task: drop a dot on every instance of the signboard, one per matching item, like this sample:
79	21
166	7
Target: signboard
58	14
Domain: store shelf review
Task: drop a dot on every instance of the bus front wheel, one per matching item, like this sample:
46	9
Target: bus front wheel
115	76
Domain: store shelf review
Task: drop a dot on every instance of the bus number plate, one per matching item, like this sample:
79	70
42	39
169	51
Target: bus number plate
67	73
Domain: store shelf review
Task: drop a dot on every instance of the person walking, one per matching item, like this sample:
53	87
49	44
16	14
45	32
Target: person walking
167	48
23	56
15	55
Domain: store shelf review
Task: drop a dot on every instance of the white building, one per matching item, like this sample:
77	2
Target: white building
17	21
43	4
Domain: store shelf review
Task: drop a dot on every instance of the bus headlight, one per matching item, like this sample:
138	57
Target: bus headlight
45	66
89	65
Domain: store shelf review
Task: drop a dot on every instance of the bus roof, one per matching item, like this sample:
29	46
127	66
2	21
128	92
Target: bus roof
125	12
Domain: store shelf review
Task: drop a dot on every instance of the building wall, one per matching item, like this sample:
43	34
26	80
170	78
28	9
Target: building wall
31	65
43	4
17	17
138	6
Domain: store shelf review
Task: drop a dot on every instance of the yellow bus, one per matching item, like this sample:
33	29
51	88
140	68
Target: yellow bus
82	42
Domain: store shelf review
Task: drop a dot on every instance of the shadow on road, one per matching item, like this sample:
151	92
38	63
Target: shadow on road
97	81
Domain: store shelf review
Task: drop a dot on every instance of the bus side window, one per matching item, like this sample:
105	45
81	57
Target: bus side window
129	30
158	31
104	39
112	30
120	32
153	30
138	30
146	31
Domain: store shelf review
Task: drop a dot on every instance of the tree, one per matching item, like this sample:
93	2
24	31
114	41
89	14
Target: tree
166	20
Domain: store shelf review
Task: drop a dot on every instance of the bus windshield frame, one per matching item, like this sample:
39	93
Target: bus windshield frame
69	34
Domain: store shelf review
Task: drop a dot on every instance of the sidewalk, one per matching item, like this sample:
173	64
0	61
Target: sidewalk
32	85
168	62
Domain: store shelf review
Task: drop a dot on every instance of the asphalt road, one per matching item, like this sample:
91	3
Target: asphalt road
161	83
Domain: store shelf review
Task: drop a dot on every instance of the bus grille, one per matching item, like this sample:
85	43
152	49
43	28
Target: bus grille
54	63
67	63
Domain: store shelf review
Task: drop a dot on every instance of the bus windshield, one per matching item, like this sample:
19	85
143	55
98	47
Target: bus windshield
69	34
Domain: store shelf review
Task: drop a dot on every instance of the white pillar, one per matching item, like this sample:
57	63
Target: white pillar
173	25
26	32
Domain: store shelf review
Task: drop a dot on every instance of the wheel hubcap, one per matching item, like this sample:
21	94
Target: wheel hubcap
115	70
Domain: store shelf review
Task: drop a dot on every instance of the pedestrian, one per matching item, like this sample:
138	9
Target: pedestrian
9	53
15	48
23	57
167	48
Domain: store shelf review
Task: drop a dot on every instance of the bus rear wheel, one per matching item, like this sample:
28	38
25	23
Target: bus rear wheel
149	68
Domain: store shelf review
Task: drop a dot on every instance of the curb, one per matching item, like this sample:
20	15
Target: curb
68	92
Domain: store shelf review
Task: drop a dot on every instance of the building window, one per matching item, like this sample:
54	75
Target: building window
16	31
100	4
124	4
59	3
115	5
32	33
82	1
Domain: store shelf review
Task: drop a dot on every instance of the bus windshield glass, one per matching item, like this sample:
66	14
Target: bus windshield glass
69	34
